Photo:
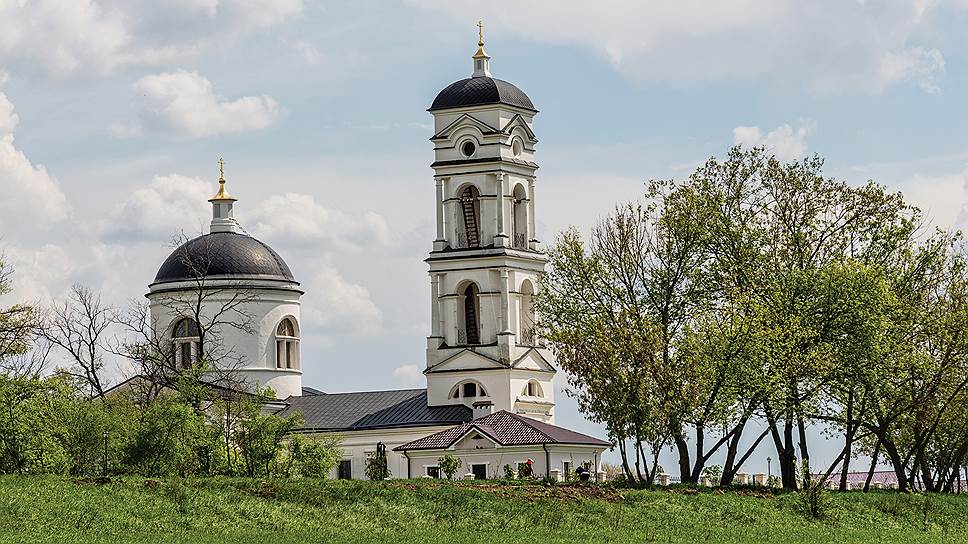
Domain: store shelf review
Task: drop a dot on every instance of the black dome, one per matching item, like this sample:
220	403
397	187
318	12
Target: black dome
477	91
223	254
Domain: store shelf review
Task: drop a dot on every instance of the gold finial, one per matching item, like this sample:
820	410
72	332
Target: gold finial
222	194
480	41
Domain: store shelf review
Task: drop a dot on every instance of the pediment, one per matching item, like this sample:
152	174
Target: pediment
518	122
474	439
465	120
466	359
533	360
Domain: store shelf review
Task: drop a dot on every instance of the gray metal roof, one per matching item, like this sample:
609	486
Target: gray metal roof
372	410
477	91
506	429
223	254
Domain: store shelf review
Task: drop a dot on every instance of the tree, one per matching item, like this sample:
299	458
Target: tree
260	436
78	326
311	458
18	324
449	465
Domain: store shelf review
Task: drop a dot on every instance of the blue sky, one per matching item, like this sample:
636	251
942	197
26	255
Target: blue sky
113	114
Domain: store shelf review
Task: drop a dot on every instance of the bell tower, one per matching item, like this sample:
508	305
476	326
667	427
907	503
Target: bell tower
486	260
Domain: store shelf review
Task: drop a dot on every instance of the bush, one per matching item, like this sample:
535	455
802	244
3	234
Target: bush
449	465
508	472
376	466
814	497
311	458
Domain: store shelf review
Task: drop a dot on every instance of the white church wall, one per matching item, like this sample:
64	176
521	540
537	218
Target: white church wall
254	350
496	458
356	445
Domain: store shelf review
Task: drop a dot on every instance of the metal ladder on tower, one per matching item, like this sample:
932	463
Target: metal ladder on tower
470	222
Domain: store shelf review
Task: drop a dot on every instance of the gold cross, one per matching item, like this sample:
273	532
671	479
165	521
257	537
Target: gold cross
221	169
480	32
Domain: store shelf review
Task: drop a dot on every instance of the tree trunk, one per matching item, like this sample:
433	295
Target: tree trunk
870	473
685	470
849	431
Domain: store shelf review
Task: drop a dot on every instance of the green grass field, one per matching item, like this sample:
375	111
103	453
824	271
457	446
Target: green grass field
221	510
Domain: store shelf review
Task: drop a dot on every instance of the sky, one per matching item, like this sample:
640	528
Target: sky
113	114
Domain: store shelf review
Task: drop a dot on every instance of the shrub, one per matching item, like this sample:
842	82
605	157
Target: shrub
508	472
814	497
376	466
311	458
449	465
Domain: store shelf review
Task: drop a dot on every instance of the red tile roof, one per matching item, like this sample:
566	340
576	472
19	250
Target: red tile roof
506	429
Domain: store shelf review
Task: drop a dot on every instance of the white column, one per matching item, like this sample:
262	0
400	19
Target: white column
505	313
532	243
440	208
440	243
501	239
435	302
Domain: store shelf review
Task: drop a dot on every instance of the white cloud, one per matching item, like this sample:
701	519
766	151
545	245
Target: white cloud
40	274
912	64
785	142
941	197
334	305
409	376
168	204
31	198
185	102
828	45
297	219
79	37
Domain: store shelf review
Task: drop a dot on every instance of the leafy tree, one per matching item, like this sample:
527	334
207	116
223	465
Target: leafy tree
18	324
29	425
260	436
449	465
311	458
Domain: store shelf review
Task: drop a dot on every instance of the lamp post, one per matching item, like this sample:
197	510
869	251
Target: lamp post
769	471
104	435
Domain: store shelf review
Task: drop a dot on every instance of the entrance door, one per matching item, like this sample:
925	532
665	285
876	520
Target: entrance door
479	471
345	470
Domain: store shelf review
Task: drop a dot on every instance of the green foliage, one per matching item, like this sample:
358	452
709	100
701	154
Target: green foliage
17	323
713	472
814	497
310	458
509	472
29	425
376	466
260	437
171	438
449	465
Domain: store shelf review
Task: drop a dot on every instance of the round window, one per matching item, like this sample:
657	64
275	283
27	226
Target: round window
468	148
517	147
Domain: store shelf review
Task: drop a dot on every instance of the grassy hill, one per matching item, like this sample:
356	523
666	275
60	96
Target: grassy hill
221	510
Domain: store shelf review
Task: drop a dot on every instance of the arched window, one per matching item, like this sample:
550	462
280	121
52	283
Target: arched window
526	319
467	390
287	344
469	332
470	210
519	217
532	389
185	338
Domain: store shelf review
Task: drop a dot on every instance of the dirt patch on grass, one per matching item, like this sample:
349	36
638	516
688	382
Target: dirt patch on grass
565	492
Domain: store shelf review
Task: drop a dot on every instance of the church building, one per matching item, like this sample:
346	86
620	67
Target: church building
490	395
